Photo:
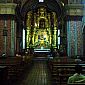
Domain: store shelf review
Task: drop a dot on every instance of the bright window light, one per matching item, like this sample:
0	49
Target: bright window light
58	40
58	32
58	46
41	0
23	39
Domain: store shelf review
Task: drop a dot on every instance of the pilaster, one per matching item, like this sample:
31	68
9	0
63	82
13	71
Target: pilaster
74	13
12	37
7	10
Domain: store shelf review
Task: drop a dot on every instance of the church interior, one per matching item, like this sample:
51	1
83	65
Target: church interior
41	41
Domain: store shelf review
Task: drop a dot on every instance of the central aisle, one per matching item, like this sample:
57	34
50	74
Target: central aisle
38	75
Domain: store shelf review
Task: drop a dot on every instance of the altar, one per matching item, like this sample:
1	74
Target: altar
42	50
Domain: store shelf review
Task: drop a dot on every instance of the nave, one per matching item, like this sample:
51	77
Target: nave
37	75
31	70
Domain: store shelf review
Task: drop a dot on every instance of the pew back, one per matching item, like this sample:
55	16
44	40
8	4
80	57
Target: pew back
61	71
76	84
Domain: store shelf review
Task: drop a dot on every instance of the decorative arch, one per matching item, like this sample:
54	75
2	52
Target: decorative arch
53	5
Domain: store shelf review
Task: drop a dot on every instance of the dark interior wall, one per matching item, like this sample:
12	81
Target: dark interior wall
84	41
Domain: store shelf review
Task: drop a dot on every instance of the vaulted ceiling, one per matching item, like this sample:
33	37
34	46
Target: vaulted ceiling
53	5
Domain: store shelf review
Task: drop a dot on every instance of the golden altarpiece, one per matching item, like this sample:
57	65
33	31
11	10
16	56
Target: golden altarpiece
41	29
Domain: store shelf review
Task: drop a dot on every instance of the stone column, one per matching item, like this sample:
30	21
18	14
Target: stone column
49	28
5	36
55	30
28	29
68	38
83	29
12	36
8	9
74	29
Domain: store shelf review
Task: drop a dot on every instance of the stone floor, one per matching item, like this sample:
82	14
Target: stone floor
38	74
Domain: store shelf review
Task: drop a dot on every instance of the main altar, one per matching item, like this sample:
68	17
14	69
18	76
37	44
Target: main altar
42	32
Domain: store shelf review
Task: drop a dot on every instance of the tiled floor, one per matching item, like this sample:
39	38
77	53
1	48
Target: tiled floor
38	75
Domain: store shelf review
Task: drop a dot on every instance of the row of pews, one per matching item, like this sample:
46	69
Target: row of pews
12	68
61	69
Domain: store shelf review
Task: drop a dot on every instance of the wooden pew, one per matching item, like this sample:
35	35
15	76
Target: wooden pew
60	71
76	84
12	63
16	66
3	75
